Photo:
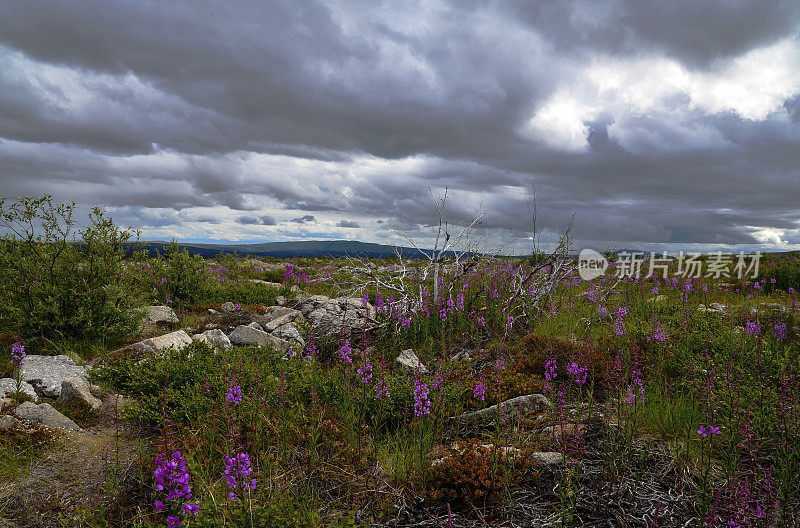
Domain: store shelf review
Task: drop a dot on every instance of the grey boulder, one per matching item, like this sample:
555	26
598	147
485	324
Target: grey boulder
247	336
79	391
45	414
8	386
47	373
408	361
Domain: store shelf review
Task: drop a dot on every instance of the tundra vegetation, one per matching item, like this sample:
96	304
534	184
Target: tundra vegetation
452	390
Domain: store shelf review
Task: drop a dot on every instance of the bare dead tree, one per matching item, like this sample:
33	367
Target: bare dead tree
456	252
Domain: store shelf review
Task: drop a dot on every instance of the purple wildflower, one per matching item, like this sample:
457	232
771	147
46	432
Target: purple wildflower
237	469
344	352
365	373
752	328
780	331
480	391
422	404
172	477
234	396
17	353
382	390
619	324
579	373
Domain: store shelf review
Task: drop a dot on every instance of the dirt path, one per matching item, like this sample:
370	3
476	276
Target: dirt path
68	479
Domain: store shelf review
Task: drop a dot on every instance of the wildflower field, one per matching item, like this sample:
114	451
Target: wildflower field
664	401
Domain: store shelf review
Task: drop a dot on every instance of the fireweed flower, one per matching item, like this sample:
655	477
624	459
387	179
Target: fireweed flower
234	396
172	477
752	328
549	373
780	331
479	391
237	470
381	390
481	321
422	403
579	373
365	373
344	352
619	324
704	430
17	353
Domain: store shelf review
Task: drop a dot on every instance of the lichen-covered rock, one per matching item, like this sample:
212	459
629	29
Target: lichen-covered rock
247	336
515	408
79	391
408	361
8	422
177	340
215	338
47	373
160	315
289	333
228	307
266	283
8	387
44	414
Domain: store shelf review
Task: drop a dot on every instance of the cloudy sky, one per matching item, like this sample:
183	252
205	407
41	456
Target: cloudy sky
657	124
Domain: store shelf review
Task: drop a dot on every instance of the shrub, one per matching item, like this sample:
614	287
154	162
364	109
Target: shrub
179	277
477	472
785	271
57	282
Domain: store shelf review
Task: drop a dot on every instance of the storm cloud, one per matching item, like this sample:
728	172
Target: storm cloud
674	124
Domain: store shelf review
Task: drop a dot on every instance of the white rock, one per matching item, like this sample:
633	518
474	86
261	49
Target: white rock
78	390
45	414
160	315
178	340
47	373
8	386
245	336
409	362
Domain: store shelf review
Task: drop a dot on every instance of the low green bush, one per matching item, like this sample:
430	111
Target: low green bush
61	283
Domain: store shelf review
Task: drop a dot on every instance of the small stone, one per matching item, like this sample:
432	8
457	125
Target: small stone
215	338
178	340
45	414
547	458
8	386
289	333
256	326
266	283
517	407
409	362
160	315
212	311
8	422
462	356
78	390
228	307
280	300
657	298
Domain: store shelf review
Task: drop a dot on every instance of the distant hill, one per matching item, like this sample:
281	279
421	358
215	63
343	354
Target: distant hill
310	248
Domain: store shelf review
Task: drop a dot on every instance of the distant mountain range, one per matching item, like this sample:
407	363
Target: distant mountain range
310	248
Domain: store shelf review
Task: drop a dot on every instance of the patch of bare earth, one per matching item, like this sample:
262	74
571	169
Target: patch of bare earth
68	479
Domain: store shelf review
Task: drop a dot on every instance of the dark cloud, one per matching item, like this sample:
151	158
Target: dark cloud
671	122
265	220
304	219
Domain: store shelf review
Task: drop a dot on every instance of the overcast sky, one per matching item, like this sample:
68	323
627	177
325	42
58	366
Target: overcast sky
660	124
